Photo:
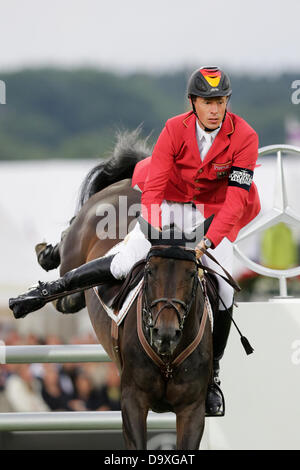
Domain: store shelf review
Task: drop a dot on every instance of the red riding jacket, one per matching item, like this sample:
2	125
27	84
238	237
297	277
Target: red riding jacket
221	184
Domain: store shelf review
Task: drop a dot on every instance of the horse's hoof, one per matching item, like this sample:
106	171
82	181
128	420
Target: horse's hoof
39	248
21	306
47	256
70	304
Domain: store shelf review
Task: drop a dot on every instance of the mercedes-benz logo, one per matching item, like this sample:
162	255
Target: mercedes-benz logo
280	212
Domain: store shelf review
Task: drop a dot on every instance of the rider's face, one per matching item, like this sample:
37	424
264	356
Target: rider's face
210	111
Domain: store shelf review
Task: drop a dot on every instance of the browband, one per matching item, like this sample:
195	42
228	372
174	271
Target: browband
174	252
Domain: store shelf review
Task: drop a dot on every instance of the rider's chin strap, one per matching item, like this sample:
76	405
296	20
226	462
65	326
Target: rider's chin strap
206	129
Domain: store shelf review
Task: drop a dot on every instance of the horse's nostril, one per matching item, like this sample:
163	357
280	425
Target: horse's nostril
177	334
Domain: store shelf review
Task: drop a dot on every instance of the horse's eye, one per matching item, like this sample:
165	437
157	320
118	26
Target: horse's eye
148	272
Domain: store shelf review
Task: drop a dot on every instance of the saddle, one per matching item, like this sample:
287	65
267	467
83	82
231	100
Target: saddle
113	294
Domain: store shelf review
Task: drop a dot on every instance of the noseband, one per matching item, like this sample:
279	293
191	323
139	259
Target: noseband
174	253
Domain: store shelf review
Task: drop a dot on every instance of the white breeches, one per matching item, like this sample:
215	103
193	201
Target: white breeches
186	217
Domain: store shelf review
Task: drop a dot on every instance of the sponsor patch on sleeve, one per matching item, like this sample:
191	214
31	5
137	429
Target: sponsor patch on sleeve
241	177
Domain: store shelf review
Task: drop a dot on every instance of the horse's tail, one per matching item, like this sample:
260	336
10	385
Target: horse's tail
128	151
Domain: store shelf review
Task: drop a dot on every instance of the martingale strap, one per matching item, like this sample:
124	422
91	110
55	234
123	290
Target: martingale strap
167	367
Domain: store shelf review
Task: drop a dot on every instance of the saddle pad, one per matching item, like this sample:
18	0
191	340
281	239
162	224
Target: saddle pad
118	316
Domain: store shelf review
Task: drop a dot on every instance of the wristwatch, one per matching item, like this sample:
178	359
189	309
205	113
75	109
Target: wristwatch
207	242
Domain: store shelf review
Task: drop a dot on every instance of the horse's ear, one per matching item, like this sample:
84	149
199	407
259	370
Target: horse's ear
150	232
172	235
207	223
168	236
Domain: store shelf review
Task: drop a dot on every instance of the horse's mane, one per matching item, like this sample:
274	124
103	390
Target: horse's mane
128	151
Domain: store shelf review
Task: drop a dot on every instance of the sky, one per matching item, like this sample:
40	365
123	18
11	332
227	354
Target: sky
259	36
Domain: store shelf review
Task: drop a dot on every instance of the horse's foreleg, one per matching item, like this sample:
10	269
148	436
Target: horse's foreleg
190	427
134	415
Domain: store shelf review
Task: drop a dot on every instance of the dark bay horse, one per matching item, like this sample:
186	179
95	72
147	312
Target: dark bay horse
171	310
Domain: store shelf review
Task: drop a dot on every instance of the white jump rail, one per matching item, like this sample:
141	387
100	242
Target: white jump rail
67	421
78	421
52	353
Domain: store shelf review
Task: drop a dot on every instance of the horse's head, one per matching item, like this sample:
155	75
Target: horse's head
171	280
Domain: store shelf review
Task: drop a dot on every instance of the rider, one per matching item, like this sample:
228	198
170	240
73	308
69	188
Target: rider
202	164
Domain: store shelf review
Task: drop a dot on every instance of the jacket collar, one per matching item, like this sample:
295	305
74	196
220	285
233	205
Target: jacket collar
221	141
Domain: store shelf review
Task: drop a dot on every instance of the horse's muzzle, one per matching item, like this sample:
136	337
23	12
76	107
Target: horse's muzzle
165	340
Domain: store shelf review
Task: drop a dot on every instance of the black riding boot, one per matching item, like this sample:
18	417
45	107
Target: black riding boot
88	275
214	398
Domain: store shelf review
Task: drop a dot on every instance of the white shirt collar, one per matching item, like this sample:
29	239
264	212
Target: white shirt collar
208	136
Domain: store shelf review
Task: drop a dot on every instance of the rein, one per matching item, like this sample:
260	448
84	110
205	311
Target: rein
228	277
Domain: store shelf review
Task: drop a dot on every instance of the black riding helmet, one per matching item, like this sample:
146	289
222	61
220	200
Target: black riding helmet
208	82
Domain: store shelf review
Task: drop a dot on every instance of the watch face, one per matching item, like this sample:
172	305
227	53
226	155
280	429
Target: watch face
207	243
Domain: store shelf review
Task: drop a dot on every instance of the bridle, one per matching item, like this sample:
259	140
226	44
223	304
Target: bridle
173	302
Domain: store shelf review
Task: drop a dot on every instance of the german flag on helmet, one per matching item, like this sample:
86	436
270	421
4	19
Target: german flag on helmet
212	75
209	82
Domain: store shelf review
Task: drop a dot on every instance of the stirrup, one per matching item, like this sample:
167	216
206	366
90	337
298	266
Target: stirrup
221	412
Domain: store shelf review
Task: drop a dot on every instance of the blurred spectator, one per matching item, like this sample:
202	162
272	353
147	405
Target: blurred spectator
52	392
5	406
274	238
53	339
12	337
49	387
88	338
22	391
110	393
67	375
32	339
4	403
97	372
87	395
